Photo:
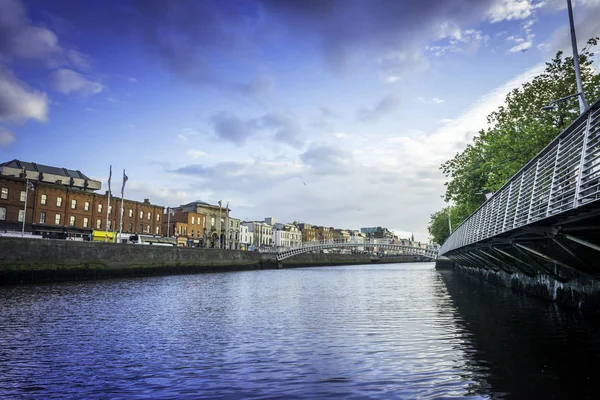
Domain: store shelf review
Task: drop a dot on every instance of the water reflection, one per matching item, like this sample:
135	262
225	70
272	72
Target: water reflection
530	348
372	331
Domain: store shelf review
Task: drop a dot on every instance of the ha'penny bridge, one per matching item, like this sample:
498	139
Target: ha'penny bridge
546	218
373	245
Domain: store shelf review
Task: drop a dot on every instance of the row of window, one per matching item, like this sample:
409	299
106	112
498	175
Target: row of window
86	205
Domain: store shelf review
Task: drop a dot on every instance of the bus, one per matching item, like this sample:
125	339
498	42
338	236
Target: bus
152	240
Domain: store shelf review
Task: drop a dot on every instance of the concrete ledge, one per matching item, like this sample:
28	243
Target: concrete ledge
41	260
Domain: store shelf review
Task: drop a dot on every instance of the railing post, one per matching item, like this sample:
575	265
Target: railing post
535	178
553	177
518	196
507	206
582	160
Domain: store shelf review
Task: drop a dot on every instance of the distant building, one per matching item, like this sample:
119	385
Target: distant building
233	234
378	232
308	232
246	238
216	222
323	233
286	235
62	202
187	225
262	233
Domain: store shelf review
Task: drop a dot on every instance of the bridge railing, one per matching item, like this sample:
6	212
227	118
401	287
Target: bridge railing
366	242
563	176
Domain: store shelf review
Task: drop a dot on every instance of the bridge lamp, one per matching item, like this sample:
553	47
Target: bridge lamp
583	106
554	105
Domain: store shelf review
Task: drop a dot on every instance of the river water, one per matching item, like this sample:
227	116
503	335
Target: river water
367	331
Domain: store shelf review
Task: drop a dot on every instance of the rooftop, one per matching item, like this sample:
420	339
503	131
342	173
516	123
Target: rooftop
44	169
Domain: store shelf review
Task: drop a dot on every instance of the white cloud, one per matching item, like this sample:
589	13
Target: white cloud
194	154
132	80
129	126
18	102
520	47
68	81
508	10
434	100
6	137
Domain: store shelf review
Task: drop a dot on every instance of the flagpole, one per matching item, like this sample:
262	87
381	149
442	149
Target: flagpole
108	207
220	226
25	207
122	197
226	225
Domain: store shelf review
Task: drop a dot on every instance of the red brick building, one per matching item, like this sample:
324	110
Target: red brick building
67	207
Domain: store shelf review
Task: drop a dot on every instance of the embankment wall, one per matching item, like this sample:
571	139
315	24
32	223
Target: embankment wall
40	260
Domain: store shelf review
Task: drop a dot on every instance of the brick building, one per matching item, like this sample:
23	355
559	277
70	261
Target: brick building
63	203
187	225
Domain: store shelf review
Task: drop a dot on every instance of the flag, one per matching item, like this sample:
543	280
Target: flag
30	186
227	209
109	176
219	203
125	179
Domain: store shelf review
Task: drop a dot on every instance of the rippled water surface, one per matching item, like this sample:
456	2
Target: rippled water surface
369	331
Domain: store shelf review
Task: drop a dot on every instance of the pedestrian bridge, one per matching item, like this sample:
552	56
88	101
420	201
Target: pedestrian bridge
546	218
380	244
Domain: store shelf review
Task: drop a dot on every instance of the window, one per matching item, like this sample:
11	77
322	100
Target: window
59	202
157	230
180	229
85	222
4	193
141	216
42	217
148	229
193	219
98	223
110	209
149	216
21	215
73	204
130	213
157	217
185	230
141	228
109	224
22	198
86	206
72	220
2	213
129	227
43	199
57	219
99	208
212	222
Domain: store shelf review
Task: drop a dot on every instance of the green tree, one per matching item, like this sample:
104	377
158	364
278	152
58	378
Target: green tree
516	132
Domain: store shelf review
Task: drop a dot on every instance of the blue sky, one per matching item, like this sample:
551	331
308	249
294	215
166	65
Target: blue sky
332	112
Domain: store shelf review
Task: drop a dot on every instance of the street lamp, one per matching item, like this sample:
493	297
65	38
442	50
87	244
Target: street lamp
583	106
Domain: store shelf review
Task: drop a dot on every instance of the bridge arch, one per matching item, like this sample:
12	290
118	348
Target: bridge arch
282	254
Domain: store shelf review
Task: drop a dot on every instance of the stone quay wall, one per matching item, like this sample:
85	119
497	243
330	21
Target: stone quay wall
25	260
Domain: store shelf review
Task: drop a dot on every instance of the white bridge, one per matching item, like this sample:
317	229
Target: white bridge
286	252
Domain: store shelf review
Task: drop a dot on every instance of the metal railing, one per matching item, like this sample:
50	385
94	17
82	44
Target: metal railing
563	176
367	242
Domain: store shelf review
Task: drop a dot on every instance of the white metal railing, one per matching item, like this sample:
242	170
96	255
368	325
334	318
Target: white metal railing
362	242
562	177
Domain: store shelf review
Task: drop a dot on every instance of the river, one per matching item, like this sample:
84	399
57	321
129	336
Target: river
366	331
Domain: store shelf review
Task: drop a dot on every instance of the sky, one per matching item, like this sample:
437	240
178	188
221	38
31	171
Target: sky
330	112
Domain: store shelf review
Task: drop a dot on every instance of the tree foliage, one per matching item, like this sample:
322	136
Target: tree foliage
515	133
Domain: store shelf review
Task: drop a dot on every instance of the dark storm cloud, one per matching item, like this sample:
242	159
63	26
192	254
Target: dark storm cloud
281	127
197	38
233	129
386	105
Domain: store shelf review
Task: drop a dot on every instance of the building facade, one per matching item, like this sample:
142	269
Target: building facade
186	225
286	235
308	232
324	234
67	207
233	234
262	233
246	238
